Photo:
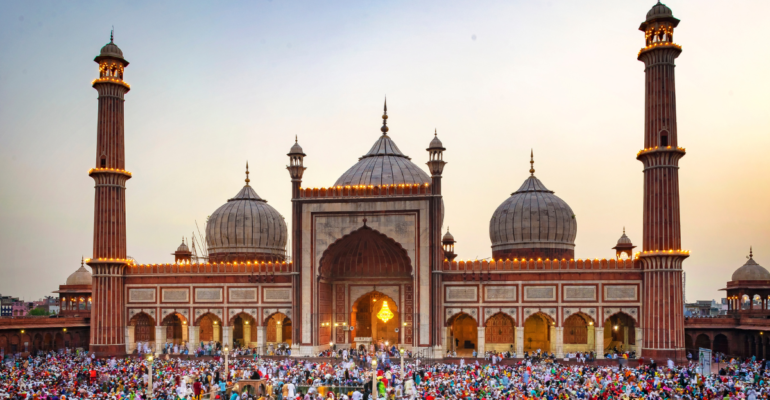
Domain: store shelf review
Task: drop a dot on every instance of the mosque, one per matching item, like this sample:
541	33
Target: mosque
370	261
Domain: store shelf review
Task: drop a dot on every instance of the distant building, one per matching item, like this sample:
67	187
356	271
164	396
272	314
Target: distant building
6	305
736	326
21	308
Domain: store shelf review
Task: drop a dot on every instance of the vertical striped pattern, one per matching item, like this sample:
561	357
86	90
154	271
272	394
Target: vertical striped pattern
663	319
107	315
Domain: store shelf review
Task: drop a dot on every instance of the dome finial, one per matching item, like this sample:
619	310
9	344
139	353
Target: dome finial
81	261
624	230
384	128
751	252
112	32
296	139
532	162
247	174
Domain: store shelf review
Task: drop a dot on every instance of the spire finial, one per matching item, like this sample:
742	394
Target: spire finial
82	260
624	230
532	162
247	174
384	128
295	138
435	132
112	32
751	252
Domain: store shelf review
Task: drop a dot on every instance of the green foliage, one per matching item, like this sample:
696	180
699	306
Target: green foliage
38	311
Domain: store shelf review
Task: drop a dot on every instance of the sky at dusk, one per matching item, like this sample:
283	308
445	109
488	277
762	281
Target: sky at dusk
216	84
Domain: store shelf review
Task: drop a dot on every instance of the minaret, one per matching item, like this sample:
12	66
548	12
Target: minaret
109	256
662	255
296	168
436	165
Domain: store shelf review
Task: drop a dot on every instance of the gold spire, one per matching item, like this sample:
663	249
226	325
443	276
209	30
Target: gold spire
532	163
247	174
384	128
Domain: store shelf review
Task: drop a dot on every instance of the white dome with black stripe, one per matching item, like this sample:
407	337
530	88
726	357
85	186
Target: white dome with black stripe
533	223
384	164
246	228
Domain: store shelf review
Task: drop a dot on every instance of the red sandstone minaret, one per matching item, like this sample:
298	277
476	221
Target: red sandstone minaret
436	165
109	257
296	168
662	255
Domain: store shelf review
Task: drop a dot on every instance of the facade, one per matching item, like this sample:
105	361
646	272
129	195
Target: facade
30	335
369	264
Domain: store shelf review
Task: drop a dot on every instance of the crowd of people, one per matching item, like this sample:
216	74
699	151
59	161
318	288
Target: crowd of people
72	376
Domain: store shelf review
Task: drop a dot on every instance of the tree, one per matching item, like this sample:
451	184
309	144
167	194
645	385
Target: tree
38	311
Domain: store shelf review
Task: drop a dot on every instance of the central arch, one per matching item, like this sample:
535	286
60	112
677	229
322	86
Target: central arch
366	323
367	254
346	310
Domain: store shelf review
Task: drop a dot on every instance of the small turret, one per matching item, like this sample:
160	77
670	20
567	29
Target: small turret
448	242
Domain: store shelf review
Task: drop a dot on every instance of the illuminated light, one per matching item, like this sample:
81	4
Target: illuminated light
385	314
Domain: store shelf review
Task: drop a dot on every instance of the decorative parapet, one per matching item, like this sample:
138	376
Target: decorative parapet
364	191
210	268
541	265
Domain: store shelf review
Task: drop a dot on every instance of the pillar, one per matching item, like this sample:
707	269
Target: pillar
246	335
481	341
193	337
625	338
227	336
552	339
559	341
160	339
261	339
185	334
519	341
217	333
279	331
639	342
591	337
445	337
599	350
130	343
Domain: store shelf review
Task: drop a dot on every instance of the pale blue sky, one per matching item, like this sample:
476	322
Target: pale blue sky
217	83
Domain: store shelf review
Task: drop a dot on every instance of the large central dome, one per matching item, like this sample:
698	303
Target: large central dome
533	223
246	228
384	164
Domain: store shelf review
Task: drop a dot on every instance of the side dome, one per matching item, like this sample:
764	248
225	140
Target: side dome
659	10
751	271
246	228
110	50
533	223
80	277
183	248
384	164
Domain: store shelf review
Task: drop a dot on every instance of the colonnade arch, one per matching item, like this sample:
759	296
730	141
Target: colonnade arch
619	332
462	336
537	332
500	333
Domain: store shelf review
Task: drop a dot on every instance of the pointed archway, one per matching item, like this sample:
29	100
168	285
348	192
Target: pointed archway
365	257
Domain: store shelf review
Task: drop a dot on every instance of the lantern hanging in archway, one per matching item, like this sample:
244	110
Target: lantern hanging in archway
385	314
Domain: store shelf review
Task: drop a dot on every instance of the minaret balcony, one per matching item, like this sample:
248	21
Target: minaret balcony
659	45
111	80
